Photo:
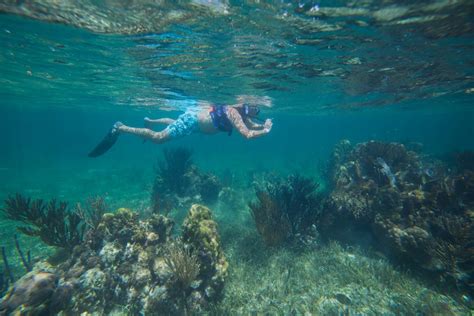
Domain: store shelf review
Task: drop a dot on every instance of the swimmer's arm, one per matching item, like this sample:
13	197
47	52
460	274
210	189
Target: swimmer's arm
239	124
253	125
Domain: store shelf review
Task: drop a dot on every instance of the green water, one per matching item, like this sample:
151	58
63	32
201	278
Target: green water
331	76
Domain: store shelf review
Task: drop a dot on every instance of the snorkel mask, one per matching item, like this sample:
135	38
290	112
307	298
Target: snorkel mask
251	110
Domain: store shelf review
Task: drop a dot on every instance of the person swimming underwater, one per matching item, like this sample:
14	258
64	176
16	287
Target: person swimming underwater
207	118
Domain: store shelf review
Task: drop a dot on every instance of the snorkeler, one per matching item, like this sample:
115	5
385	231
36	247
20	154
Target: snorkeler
206	118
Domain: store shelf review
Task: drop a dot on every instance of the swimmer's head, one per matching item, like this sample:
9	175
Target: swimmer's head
251	110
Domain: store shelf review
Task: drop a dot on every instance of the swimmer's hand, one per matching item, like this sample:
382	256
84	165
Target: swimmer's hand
267	126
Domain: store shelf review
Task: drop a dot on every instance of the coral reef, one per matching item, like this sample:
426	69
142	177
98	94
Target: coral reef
285	208
53	223
6	275
412	209
179	183
200	232
133	266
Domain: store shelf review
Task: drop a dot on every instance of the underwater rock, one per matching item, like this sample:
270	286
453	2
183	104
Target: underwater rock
31	295
123	265
414	210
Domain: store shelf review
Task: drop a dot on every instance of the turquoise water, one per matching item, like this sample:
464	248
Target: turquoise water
64	87
400	75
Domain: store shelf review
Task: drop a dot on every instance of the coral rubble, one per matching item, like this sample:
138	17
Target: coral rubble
131	265
412	209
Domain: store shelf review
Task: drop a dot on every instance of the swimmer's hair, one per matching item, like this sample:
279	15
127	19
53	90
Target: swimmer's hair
255	100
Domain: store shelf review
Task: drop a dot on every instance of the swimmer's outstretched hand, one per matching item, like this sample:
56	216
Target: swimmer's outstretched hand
267	126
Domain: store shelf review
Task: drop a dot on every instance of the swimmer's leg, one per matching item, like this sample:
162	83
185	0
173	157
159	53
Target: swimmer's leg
146	133
111	137
164	121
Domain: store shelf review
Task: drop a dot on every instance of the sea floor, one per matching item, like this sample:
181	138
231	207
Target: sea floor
317	279
327	280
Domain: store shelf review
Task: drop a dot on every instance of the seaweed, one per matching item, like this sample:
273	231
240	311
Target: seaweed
25	261
183	263
93	212
270	220
51	221
3	283
285	208
178	180
173	169
161	202
454	249
8	271
301	202
6	274
170	178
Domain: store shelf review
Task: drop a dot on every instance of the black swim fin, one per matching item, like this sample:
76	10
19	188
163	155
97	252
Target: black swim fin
106	143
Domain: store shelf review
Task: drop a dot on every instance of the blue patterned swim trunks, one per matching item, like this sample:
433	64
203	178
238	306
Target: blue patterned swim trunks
185	124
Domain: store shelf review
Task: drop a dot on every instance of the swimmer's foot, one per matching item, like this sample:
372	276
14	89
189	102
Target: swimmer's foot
147	122
116	127
108	141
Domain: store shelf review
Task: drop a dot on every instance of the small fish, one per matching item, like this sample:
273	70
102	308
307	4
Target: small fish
314	8
429	172
385	169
